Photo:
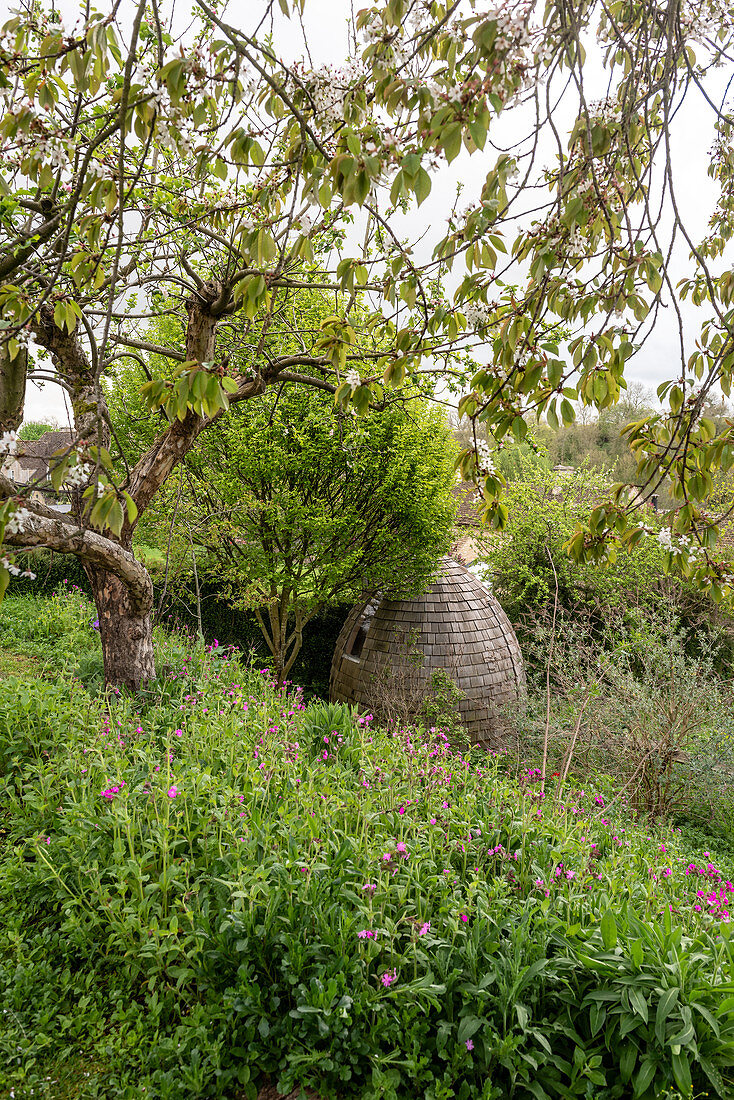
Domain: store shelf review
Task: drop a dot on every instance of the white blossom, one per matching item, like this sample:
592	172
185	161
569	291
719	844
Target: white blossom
455	31
6	563
96	169
477	314
680	545
77	475
665	538
353	378
485	465
17	522
328	89
373	30
9	443
305	224
576	242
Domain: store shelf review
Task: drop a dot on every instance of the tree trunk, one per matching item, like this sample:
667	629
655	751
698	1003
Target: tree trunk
12	388
126	631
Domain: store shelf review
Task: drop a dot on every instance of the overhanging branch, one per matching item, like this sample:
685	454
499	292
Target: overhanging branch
89	546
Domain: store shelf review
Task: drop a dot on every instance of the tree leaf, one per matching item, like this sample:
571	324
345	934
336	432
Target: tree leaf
609	930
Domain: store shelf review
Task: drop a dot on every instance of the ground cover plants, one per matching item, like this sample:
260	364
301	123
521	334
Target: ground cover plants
204	886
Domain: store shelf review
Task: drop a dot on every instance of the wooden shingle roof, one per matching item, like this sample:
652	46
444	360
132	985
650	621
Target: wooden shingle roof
458	626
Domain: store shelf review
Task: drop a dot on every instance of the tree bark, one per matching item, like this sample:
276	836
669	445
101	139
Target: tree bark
12	388
125	629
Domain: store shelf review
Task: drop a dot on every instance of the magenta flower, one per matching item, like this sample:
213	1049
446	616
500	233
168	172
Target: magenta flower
463	917
469	1045
172	792
365	934
424	928
370	887
387	978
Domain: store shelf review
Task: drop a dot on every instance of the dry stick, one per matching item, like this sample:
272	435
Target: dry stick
547	676
196	583
168	548
629	782
572	746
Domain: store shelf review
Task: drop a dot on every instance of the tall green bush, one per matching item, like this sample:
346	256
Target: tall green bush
531	573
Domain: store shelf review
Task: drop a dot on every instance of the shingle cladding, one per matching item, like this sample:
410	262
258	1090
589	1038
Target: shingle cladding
457	625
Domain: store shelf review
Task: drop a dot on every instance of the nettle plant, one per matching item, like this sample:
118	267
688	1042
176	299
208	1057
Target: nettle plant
149	167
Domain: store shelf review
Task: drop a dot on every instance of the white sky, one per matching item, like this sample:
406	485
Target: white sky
326	22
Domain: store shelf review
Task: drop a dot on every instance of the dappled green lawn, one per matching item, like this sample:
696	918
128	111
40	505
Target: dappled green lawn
214	883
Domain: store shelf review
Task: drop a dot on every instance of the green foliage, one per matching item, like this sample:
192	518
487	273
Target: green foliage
331	733
440	707
190	899
325	506
637	705
31	430
268	179
220	621
529	568
291	506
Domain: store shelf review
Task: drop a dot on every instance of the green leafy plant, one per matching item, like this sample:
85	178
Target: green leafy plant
191	902
440	706
332	733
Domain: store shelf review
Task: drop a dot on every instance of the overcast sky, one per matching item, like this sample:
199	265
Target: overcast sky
326	29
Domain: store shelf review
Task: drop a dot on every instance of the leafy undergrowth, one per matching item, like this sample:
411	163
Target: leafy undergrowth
60	634
14	664
214	883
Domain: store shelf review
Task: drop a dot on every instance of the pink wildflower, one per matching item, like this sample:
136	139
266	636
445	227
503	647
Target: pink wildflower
172	792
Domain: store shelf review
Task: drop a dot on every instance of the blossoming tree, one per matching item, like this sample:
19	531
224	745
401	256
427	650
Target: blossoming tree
140	161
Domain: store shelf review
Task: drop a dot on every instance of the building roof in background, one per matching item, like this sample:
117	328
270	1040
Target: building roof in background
33	455
468	499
